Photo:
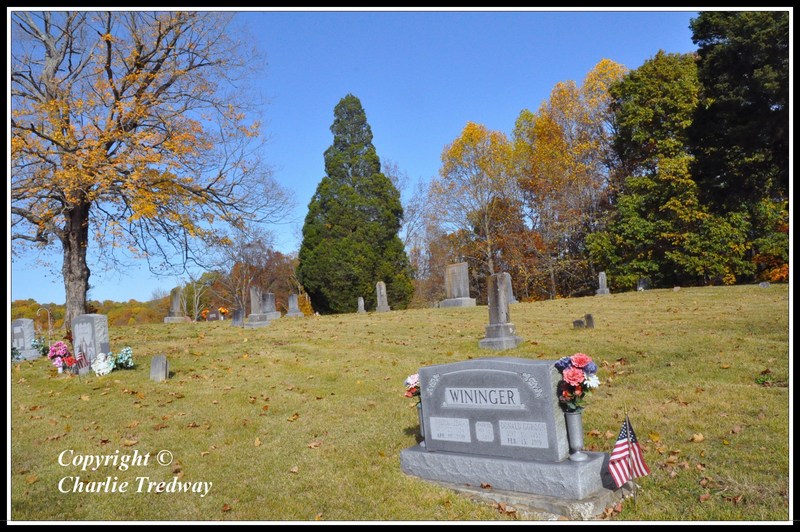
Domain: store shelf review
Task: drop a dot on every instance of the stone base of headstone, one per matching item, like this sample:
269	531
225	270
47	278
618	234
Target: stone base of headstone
568	479
531	507
294	314
29	354
383	308
500	336
176	319
602	291
457	302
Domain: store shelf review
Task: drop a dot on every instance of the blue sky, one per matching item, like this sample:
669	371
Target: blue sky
420	76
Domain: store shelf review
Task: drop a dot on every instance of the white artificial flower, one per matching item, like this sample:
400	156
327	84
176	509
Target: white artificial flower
592	381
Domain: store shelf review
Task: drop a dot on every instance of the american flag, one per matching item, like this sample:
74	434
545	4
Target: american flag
626	460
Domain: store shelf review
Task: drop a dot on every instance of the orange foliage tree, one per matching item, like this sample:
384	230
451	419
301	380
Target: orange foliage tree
130	131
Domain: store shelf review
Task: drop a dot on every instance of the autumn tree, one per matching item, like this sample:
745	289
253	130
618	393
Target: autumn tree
129	132
350	234
660	229
566	170
474	175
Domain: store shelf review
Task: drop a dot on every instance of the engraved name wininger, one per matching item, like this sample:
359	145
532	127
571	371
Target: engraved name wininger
482	398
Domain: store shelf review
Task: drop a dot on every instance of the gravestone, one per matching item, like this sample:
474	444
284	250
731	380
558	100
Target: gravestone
676	288
213	315
456	286
175	312
763	284
500	333
294	309
159	368
380	292
268	306
361	305
578	324
238	317
603	290
89	338
22	335
589	320
642	284
497	421
257	317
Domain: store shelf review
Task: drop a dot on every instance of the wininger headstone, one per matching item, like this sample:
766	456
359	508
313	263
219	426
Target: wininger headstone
497	421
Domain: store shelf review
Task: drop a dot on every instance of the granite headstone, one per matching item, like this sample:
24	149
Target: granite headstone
497	421
159	368
22	336
602	281
456	286
500	333
90	337
380	292
361	305
294	308
175	308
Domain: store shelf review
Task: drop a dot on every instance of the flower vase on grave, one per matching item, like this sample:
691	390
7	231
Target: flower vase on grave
421	424
61	369
575	435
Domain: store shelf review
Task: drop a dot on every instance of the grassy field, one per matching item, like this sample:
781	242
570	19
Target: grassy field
304	420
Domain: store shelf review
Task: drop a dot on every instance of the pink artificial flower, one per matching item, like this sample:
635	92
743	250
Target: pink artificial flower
574	376
580	360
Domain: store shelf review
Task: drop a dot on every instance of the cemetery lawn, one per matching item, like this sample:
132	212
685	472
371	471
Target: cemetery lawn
305	419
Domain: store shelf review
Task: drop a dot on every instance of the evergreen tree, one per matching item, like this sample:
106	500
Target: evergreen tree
350	235
740	134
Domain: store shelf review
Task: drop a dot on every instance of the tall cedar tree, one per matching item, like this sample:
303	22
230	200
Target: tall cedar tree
350	235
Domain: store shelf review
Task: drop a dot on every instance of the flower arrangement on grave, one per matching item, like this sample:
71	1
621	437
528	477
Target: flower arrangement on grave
412	385
57	353
578	379
103	364
124	360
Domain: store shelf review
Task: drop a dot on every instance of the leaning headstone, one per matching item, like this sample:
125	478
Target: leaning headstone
89	338
589	320
763	284
257	317
294	309
361	305
238	317
500	333
383	302
497	421
22	335
159	368
603	285
456	286
175	312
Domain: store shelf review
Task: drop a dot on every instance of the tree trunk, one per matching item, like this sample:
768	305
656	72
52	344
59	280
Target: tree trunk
75	241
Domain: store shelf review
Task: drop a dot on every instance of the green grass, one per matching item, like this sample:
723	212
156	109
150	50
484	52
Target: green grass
305	419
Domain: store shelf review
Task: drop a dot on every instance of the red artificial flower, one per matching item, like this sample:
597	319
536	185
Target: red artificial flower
574	376
580	360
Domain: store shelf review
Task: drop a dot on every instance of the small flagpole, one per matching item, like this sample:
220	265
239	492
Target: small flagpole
630	460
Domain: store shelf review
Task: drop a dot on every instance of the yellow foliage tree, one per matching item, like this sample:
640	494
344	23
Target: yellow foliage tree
473	178
565	164
129	131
